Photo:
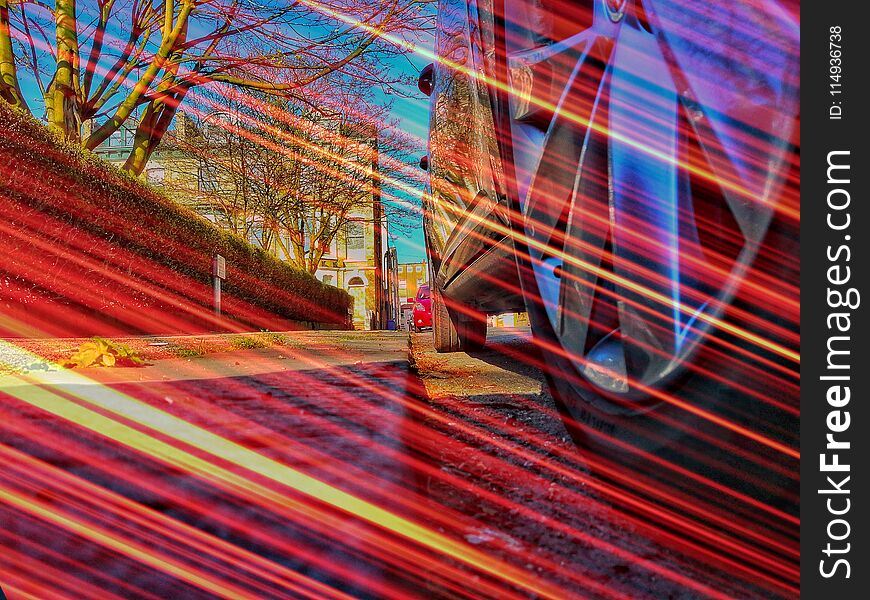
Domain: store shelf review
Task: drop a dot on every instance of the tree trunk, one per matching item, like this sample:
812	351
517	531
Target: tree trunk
10	91
159	114
282	246
314	258
297	240
63	106
142	147
152	127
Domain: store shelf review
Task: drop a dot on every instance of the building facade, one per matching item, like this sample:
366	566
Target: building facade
358	260
410	277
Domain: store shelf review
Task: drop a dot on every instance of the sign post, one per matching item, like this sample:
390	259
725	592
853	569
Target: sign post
219	272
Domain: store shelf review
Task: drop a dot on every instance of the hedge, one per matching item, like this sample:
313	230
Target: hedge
89	250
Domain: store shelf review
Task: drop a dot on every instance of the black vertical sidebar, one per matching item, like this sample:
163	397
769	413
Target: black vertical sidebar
835	301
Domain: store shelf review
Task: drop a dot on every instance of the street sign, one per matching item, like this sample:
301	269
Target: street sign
219	267
218	271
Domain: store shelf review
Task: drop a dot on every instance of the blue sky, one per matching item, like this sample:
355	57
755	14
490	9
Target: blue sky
412	115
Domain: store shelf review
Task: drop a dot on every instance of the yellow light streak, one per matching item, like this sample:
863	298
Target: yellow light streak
33	392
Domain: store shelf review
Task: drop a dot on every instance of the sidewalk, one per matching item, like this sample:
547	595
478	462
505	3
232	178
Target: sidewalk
218	478
177	358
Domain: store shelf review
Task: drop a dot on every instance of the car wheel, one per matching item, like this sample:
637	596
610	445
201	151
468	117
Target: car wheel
655	188
456	328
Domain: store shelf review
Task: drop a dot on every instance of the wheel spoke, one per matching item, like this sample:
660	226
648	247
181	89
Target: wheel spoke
551	188
645	203
587	232
737	72
685	114
549	89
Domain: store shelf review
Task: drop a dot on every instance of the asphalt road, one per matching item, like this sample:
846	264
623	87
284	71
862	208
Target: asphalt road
325	469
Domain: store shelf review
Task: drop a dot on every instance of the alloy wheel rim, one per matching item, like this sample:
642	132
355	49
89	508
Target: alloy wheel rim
681	135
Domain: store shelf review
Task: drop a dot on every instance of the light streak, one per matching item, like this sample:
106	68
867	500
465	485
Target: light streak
237	455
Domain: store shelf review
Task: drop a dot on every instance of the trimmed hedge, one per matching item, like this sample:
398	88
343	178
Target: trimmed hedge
88	250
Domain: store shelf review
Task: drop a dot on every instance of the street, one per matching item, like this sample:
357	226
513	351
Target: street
417	299
329	467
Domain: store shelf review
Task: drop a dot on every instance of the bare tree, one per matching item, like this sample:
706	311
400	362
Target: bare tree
294	178
116	60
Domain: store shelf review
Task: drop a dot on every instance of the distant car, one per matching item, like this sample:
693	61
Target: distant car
422	315
626	172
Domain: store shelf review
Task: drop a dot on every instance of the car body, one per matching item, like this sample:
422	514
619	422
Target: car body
466	227
422	313
626	172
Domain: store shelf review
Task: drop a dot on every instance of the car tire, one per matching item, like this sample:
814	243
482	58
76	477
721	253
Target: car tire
725	418
721	433
456	329
625	437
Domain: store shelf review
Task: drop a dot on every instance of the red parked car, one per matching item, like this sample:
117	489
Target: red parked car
422	315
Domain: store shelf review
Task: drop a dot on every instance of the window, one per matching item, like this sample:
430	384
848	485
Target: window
401	269
418	268
122	138
155	174
327	279
207	178
356	242
403	284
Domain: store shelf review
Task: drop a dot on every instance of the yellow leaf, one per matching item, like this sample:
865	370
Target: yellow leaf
87	357
88	346
108	360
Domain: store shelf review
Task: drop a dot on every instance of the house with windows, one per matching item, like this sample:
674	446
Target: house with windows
411	276
167	168
358	260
